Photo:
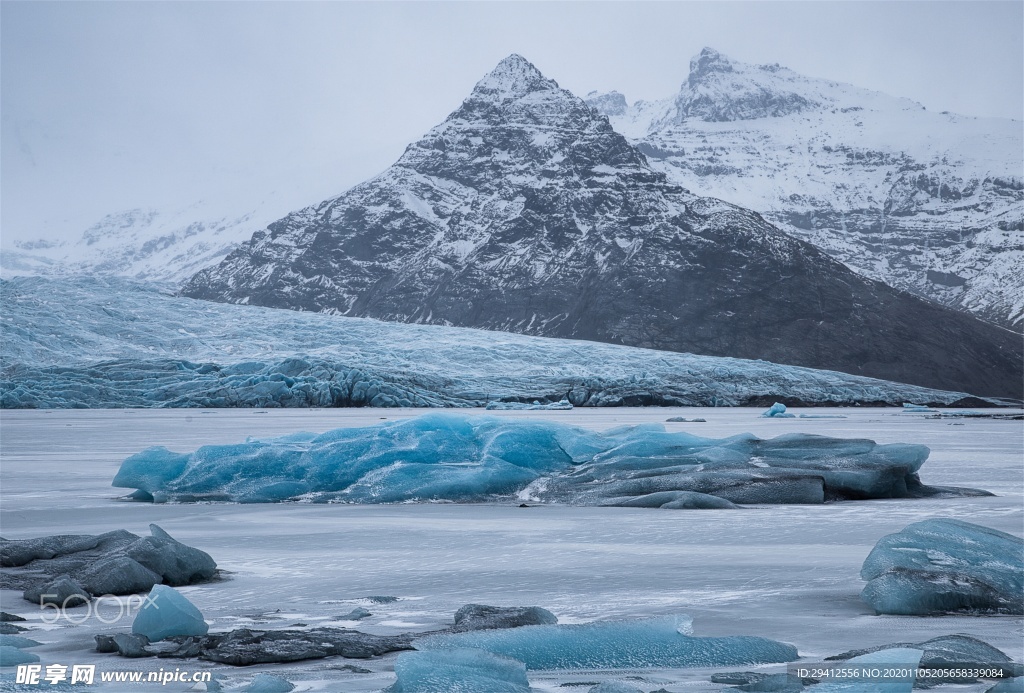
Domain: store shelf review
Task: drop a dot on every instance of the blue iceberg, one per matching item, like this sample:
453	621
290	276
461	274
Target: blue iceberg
167	613
12	656
943	565
777	411
479	458
885	671
655	642
462	670
246	356
267	683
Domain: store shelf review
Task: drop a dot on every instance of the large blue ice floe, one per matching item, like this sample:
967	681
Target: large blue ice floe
462	458
654	642
943	565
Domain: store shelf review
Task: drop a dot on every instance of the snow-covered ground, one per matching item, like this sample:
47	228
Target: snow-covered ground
783	572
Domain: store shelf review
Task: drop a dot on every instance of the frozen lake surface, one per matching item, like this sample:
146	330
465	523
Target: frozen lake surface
790	573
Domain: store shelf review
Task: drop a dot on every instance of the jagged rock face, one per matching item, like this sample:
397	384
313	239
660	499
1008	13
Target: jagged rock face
526	212
932	203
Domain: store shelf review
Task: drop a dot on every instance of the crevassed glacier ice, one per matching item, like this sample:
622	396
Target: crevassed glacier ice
478	458
653	642
167	612
943	565
461	670
89	342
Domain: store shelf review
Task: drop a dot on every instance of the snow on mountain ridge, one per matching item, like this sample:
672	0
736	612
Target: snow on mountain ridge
524	211
929	202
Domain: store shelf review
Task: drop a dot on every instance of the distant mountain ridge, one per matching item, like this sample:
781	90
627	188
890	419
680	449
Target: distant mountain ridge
152	244
526	212
932	203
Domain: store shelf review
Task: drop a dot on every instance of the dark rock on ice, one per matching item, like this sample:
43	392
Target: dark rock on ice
64	591
117	562
356	614
382	599
482	617
10	629
942	565
131	645
6	617
244	646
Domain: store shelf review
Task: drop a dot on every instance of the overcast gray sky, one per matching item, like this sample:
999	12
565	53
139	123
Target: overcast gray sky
112	105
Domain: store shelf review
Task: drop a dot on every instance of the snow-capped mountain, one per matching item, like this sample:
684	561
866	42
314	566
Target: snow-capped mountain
932	203
152	244
526	212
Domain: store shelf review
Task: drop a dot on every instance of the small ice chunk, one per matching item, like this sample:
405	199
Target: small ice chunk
18	641
266	683
943	565
777	411
655	642
12	656
356	614
167	612
460	670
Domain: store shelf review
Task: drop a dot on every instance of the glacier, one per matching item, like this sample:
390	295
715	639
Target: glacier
640	643
943	565
460	458
110	343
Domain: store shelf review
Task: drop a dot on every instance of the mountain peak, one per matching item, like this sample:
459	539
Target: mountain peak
706	62
512	78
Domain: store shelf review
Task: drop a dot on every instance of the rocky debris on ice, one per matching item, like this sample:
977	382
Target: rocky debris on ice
77	567
481	458
943	565
483	617
245	646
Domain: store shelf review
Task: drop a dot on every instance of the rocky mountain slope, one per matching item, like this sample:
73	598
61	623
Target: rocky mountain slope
932	203
526	212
